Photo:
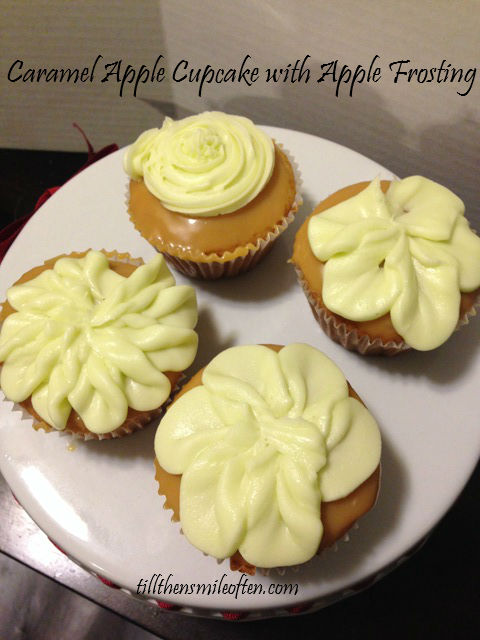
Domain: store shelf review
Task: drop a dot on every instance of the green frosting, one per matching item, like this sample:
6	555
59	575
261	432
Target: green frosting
87	338
204	165
409	252
260	444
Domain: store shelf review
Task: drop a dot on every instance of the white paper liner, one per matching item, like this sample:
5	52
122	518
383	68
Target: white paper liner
351	339
213	266
339	332
470	313
131	425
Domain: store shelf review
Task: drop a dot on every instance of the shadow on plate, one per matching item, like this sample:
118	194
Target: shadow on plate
210	343
272	277
135	445
443	365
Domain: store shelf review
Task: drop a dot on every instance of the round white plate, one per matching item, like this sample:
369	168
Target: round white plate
99	502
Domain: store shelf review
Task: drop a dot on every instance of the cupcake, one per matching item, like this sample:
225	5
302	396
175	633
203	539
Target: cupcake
267	456
92	343
211	192
389	266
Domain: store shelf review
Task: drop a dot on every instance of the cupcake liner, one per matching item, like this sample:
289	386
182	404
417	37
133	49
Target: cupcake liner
213	270
127	428
132	423
339	332
212	266
470	313
351	339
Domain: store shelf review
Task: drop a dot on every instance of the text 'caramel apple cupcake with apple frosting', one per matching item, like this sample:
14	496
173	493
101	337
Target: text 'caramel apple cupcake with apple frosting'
93	343
212	192
389	266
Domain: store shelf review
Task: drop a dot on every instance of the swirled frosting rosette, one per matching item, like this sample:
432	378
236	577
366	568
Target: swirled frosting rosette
404	253
84	343
265	440
205	165
211	192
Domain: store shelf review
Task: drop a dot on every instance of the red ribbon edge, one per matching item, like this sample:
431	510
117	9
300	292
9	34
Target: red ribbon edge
11	231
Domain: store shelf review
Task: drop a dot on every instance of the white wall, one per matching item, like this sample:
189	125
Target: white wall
410	128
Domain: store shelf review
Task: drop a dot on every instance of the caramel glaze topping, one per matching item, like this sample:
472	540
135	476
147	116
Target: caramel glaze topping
338	516
210	239
74	423
312	270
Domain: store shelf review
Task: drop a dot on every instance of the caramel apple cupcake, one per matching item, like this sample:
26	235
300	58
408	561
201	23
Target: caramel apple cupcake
93	343
389	266
212	192
267	456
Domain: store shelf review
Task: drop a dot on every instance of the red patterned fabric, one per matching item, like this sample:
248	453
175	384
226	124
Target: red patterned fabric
166	605
108	583
10	232
299	608
231	615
